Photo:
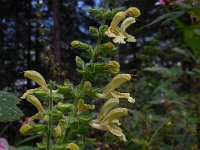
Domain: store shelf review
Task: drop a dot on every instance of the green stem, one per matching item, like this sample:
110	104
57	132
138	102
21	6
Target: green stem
80	86
50	121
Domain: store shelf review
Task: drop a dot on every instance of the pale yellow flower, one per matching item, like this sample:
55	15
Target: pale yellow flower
125	24
107	118
119	33
72	146
113	31
106	108
36	77
109	90
82	107
35	102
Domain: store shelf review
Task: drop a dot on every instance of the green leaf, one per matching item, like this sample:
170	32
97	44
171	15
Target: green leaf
192	38
8	107
168	16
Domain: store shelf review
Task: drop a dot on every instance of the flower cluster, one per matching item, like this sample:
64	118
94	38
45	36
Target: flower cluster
67	114
119	33
108	118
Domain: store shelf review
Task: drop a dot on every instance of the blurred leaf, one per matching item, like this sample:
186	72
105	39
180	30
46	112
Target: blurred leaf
186	53
167	17
8	109
192	38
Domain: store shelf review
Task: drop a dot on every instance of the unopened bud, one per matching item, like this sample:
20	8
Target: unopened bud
26	129
113	67
64	107
87	85
72	146
57	131
133	12
106	46
80	45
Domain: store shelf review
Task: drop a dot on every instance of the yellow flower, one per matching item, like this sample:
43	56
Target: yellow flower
72	146
35	76
112	66
25	129
82	107
113	30
106	108
125	24
35	102
119	34
109	90
107	118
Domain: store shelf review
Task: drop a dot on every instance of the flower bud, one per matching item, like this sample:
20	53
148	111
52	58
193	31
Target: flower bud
112	66
36	77
133	12
106	46
72	146
37	127
87	85
80	45
26	129
79	62
46	118
40	93
57	131
64	107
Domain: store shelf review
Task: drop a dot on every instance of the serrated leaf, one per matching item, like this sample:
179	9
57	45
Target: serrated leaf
8	107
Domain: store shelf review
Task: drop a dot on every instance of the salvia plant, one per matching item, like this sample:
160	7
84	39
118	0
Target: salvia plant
64	111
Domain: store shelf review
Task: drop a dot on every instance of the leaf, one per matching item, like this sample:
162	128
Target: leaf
192	38
8	107
186	53
167	16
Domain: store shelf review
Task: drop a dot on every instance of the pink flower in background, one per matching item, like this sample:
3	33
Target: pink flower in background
3	144
161	3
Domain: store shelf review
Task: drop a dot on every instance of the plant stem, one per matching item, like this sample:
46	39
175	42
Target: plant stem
80	86
50	121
